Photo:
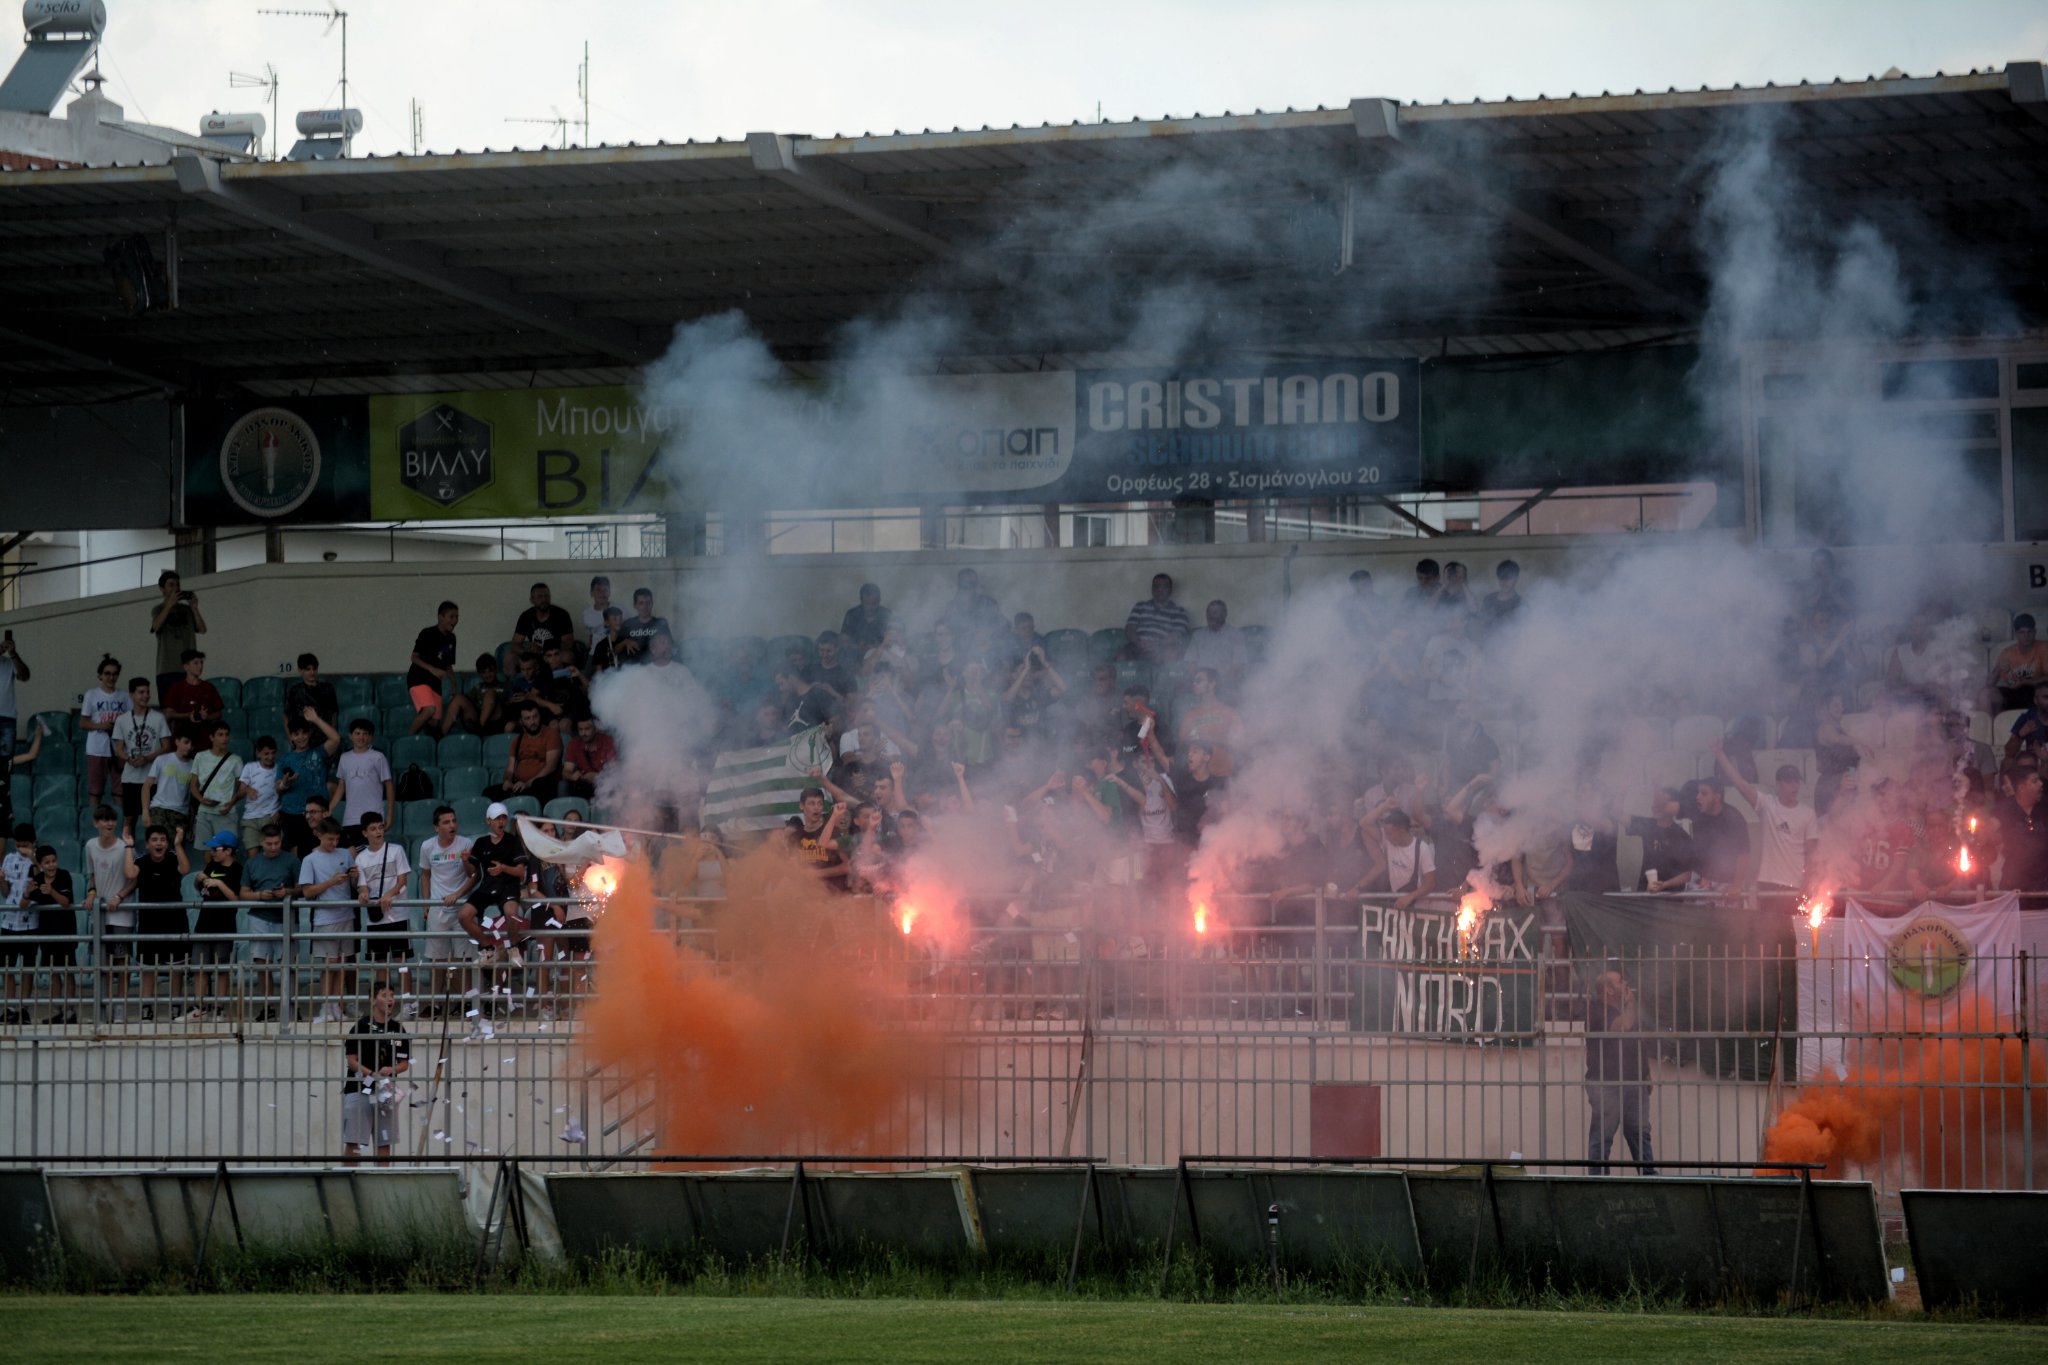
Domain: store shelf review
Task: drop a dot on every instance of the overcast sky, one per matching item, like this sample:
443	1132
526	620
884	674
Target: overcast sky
667	69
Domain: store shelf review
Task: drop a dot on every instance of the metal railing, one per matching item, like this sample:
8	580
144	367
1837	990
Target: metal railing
1071	1036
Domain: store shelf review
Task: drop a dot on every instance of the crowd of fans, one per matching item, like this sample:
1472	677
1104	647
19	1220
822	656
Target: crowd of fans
1073	761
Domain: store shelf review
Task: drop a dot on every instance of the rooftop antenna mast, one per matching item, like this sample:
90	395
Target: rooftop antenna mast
333	14
583	91
418	126
242	80
560	123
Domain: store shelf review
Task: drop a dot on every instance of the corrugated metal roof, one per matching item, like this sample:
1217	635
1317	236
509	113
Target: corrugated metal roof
411	271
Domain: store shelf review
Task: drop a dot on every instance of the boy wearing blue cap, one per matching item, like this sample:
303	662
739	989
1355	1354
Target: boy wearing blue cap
219	883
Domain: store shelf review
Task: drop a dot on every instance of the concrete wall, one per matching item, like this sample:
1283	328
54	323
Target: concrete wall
1155	1097
362	617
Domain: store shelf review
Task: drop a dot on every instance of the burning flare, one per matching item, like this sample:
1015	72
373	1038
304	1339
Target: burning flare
1471	910
601	879
1201	917
906	916
1816	912
1963	861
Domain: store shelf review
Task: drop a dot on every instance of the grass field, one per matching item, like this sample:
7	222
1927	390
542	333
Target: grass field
469	1328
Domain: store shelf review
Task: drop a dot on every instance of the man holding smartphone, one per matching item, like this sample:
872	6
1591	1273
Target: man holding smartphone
12	670
177	625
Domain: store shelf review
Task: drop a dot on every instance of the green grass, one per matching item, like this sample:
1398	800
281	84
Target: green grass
470	1328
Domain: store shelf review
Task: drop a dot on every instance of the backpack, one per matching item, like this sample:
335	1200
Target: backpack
414	785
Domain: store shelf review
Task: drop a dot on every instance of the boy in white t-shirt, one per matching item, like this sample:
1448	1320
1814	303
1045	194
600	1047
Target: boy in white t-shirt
140	735
258	789
167	791
1787	828
381	870
98	709
106	884
365	776
445	879
324	878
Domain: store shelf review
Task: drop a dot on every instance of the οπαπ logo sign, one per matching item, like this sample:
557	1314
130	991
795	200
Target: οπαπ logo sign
1930	956
445	454
270	462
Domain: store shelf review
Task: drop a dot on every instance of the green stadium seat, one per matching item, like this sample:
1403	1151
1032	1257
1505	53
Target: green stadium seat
1133	673
392	691
392	723
264	697
559	808
1105	644
354	689
469	815
1068	650
54	788
64	723
21	793
461	784
460	751
230	690
350	715
415	821
497	748
407	750
508	658
522	805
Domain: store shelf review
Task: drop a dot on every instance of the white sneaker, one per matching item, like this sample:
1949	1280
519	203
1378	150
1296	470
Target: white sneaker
193	1016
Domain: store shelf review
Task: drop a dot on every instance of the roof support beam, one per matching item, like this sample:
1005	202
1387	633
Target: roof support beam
775	157
90	360
201	178
1378	123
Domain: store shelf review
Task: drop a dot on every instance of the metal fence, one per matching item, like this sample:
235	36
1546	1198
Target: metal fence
1054	1038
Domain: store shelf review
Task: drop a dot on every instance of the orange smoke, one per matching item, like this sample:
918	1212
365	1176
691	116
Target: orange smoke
782	1045
1952	1107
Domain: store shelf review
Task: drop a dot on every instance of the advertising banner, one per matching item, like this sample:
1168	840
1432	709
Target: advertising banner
1218	433
1228	432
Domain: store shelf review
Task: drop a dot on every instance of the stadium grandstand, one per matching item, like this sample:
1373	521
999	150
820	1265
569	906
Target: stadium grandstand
1309	595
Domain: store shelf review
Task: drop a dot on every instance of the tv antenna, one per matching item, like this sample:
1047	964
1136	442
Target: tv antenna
560	123
242	80
583	91
333	14
418	126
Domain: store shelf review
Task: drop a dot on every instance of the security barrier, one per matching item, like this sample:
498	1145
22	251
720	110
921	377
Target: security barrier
1976	1249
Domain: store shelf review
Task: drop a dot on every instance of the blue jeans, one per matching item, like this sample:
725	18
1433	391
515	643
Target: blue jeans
1619	1106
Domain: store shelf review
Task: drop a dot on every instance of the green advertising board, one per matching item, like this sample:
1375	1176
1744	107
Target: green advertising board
515	453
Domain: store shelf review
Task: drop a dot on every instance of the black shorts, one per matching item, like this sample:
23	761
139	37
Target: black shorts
493	892
53	922
298	835
131	799
387	942
163	950
14	952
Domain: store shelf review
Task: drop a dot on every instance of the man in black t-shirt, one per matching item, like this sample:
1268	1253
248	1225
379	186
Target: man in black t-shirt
156	886
498	861
1720	837
543	623
636	637
433	660
376	1053
311	690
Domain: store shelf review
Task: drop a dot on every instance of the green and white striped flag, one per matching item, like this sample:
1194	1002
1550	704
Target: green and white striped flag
754	789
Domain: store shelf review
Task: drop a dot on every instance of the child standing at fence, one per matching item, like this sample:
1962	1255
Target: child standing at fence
17	923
